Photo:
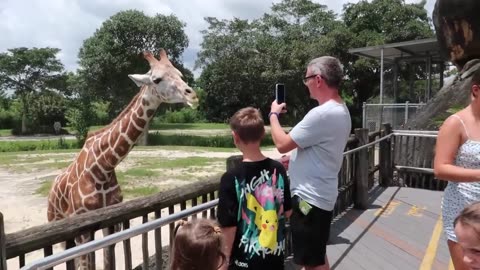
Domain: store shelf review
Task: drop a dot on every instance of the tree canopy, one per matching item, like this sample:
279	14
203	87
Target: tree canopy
28	72
114	51
242	60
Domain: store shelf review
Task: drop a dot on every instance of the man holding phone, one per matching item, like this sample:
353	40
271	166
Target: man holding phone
318	142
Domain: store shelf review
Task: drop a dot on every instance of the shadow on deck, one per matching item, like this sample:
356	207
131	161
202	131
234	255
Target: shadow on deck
402	229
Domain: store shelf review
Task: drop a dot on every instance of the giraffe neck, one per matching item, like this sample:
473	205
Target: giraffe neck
113	144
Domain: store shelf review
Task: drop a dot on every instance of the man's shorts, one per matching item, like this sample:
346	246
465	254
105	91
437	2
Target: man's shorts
310	234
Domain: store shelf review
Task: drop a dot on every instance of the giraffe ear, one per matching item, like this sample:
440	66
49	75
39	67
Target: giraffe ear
140	79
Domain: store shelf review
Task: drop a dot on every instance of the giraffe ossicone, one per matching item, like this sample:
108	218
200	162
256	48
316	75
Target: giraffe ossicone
89	182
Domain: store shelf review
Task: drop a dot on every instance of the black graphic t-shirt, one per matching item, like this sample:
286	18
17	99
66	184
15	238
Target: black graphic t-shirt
254	197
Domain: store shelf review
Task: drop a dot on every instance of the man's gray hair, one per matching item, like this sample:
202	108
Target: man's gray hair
329	68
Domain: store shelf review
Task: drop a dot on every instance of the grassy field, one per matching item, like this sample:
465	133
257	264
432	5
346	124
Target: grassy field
167	126
154	126
5	132
145	171
198	126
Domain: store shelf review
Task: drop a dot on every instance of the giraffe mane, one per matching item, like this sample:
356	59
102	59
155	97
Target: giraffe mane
127	108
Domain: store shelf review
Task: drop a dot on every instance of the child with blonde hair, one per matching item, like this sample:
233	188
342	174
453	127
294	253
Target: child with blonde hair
467	230
197	245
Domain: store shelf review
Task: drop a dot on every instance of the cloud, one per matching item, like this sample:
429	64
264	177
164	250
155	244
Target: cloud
65	24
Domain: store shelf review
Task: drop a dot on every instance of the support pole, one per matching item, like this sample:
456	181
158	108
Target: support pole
364	115
3	252
381	77
361	180
386	165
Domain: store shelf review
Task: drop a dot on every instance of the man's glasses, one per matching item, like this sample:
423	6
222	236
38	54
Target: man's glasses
305	80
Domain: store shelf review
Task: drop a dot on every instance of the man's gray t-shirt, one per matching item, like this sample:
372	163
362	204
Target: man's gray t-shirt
314	166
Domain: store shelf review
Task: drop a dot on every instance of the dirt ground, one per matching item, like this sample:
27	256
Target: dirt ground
22	207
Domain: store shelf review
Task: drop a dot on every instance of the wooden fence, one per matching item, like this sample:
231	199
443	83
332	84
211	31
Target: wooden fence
413	154
358	174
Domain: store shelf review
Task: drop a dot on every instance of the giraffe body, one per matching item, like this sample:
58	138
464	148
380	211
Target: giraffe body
89	182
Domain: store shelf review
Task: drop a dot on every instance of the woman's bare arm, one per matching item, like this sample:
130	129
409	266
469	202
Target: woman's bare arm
448	141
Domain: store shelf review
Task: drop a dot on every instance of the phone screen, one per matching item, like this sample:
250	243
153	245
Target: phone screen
280	93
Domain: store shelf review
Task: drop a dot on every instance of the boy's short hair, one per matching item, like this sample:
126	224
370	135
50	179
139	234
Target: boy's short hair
470	216
476	78
248	124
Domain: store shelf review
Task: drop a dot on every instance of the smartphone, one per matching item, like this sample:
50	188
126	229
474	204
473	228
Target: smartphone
280	93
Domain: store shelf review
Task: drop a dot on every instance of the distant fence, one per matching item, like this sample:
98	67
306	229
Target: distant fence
398	114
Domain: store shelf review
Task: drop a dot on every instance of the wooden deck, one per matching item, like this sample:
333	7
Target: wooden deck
402	229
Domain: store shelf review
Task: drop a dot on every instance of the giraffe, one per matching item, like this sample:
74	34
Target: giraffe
89	182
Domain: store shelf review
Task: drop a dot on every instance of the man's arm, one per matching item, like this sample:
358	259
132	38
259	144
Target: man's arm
283	141
228	238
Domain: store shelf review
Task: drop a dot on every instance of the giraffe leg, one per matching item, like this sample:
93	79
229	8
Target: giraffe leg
84	262
109	252
112	198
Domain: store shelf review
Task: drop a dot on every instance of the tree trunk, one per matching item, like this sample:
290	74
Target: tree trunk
457	26
143	139
455	93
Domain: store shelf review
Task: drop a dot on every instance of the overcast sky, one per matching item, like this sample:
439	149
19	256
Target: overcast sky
64	24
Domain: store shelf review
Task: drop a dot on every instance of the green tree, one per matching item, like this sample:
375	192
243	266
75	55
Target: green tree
114	51
243	60
47	108
31	71
80	114
379	22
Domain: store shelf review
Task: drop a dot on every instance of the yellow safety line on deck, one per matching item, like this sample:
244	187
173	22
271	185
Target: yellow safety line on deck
450	265
387	210
429	257
416	211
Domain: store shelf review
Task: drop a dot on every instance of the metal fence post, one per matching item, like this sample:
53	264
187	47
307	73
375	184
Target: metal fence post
406	112
3	251
361	160
364	115
234	161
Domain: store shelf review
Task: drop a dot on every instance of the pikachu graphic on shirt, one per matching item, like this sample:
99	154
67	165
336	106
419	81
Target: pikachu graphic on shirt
266	222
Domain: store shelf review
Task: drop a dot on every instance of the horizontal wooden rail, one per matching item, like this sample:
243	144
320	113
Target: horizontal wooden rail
414	169
38	237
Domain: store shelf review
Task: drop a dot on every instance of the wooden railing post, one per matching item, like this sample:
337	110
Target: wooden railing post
3	251
385	156
233	161
361	160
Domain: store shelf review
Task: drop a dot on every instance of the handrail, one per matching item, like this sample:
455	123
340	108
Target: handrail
368	144
38	237
111	239
91	246
414	169
415	135
415	131
395	104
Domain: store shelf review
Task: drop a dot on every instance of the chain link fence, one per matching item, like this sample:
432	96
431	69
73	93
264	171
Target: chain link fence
397	114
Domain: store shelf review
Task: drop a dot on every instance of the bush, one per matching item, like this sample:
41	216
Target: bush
7	146
100	111
153	139
79	122
7	119
185	115
190	140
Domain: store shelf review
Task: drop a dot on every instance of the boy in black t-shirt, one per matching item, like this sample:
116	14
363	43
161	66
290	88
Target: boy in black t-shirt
254	200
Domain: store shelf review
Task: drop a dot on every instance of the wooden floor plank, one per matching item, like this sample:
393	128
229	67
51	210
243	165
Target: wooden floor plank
396	239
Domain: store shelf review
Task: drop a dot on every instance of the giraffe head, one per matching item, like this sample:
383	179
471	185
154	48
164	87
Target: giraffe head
165	81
